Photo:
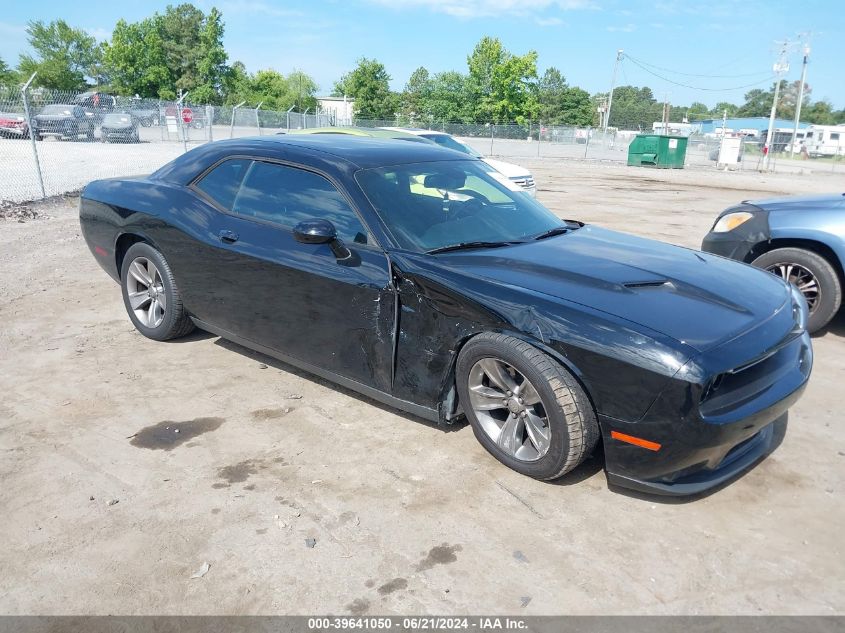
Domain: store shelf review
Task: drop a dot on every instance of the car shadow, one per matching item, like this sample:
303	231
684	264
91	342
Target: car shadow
780	427
586	469
305	375
835	327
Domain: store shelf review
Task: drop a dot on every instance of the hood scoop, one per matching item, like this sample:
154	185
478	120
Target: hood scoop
653	283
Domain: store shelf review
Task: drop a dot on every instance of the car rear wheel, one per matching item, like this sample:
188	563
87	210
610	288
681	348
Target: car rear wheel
525	408
151	296
813	275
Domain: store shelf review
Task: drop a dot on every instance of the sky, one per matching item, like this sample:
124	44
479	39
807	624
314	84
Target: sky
725	47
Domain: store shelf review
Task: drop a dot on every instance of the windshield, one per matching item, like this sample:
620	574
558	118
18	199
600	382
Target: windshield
56	109
116	119
447	141
427	206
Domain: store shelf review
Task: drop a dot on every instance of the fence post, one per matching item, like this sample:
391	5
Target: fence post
539	137
257	120
492	128
209	118
587	143
32	134
182	131
232	127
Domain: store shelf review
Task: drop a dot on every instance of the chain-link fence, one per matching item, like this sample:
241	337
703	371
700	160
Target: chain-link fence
56	142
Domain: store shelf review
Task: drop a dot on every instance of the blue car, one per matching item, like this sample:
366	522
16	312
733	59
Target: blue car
801	239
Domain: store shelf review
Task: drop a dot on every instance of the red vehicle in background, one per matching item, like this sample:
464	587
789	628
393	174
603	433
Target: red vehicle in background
13	125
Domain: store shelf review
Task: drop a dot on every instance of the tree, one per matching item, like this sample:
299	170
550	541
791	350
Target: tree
63	55
552	90
448	100
501	86
211	64
788	99
136	60
819	113
634	108
758	102
722	107
270	88
697	111
180	29
416	96
8	76
369	85
576	107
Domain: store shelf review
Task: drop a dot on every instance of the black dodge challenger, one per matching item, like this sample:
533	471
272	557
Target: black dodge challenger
424	279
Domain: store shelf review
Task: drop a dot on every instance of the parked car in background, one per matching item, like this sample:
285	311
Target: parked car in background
119	127
65	121
800	239
516	174
146	117
371	132
467	298
13	125
95	105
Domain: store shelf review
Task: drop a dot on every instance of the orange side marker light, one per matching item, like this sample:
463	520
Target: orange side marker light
636	441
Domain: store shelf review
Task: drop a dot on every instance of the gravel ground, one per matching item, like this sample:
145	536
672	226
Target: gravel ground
107	510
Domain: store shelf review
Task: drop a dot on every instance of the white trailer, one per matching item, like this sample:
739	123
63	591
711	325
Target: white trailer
825	140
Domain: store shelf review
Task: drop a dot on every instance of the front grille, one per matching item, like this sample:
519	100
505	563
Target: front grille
526	182
742	384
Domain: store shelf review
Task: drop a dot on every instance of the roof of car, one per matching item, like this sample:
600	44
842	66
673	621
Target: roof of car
341	150
417	131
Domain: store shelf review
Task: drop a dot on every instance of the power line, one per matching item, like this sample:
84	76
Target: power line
678	72
683	85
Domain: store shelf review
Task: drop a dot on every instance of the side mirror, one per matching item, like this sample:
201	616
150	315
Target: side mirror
315	232
321	232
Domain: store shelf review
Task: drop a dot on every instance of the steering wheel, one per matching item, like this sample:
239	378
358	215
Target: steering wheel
471	207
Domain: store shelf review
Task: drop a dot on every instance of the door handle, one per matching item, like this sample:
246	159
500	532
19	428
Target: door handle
229	237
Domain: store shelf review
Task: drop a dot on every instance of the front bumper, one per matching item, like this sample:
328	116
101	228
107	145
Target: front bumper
698	452
739	243
10	130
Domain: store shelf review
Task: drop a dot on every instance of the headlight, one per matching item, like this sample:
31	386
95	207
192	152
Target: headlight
732	220
800	310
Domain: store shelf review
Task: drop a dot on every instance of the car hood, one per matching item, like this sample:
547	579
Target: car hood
507	169
801	203
697	299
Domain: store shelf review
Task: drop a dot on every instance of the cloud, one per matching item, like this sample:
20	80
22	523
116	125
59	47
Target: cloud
550	21
99	33
250	7
628	28
484	8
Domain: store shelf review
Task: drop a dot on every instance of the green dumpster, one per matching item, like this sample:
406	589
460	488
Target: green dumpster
654	150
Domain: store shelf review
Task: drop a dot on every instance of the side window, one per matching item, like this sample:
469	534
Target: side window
834	136
287	196
221	183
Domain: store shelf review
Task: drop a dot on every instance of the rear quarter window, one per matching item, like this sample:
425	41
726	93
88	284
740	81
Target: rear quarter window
221	184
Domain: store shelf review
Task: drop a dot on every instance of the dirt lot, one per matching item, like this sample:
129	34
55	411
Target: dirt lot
106	510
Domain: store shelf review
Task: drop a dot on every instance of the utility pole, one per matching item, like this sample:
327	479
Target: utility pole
619	55
800	99
780	67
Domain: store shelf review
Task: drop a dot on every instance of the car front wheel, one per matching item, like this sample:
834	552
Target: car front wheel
525	408
151	296
813	275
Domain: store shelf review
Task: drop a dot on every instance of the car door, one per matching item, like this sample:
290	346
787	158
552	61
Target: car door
295	298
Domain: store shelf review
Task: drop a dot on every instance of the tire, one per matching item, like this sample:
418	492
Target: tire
569	423
174	320
829	298
89	135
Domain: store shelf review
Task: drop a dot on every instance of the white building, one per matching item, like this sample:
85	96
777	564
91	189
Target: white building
338	108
